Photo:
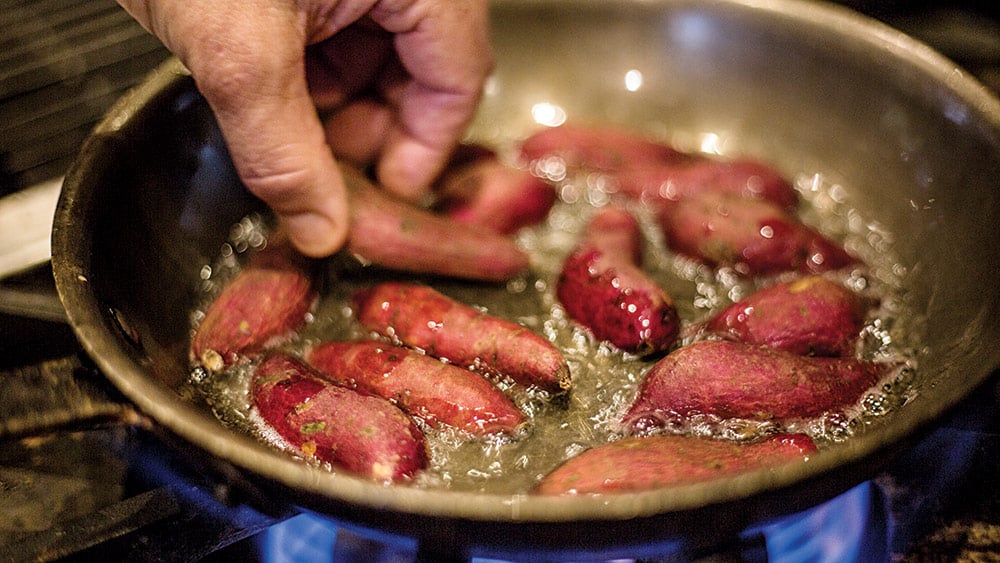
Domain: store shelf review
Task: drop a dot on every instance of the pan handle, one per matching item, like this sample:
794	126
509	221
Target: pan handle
25	244
26	227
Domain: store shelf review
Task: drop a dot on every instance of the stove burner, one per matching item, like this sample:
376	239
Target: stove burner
850	527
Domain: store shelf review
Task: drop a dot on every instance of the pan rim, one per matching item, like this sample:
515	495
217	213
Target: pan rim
92	325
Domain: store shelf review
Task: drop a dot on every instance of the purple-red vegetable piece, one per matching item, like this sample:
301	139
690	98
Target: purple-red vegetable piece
733	380
644	463
674	181
359	432
491	194
753	236
810	316
602	286
397	235
437	392
264	303
362	433
596	148
420	317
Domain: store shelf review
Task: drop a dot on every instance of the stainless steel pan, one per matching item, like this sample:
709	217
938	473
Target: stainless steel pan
914	140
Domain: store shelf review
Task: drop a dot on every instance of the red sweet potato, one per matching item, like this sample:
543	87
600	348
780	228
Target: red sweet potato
753	236
673	181
435	391
734	380
810	316
638	464
494	195
420	317
362	433
396	235
597	148
602	286
266	301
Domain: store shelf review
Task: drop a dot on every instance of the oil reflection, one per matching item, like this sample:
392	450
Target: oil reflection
633	80
548	114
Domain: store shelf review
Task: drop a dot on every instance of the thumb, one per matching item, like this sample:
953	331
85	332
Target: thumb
278	146
248	59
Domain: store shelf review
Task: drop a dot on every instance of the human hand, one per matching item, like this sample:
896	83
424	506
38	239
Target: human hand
266	66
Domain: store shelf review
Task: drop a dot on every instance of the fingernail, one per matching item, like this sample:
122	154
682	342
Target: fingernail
314	235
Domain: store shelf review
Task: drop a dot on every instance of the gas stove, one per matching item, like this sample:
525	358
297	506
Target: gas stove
103	488
86	480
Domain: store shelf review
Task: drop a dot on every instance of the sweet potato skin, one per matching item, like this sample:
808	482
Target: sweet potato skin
397	235
266	301
596	147
734	380
676	180
421	317
812	316
753	236
362	433
432	390
644	463
648	169
494	195
602	286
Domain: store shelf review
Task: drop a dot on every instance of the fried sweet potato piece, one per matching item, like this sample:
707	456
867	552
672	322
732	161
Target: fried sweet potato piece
397	235
602	286
596	148
753	236
811	316
265	302
420	317
362	433
734	380
435	391
644	463
494	195
673	181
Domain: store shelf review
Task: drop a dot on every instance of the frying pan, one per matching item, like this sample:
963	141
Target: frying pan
914	141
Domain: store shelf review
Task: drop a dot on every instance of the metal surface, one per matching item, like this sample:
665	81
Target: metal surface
808	86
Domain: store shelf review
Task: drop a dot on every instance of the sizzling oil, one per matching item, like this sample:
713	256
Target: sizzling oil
604	378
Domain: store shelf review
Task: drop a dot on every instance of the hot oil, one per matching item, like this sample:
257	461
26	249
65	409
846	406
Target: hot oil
604	379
